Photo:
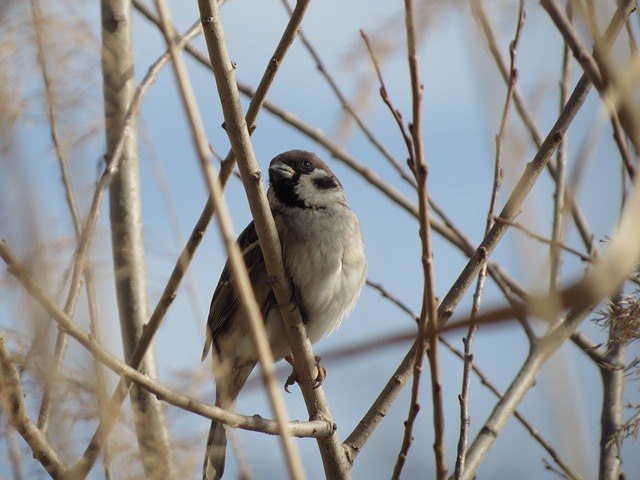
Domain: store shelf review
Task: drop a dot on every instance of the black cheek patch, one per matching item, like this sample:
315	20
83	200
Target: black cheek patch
325	183
285	192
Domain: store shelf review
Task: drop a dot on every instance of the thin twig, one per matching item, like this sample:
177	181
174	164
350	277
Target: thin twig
607	79
580	51
540	238
372	418
385	95
15	408
346	106
590	65
590	348
559	204
428	323
544	443
593	67
528	120
386	294
463	397
77	224
600	281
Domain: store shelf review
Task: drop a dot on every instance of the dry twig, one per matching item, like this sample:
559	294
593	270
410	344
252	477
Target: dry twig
463	397
14	406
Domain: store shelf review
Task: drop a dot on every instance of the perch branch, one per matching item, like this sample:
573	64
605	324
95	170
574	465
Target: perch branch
334	461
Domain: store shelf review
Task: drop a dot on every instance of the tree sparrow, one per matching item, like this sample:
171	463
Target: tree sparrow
324	257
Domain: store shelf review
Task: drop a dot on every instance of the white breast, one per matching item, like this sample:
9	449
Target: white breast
326	260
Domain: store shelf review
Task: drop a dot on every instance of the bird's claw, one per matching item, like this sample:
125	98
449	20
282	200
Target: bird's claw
293	377
322	374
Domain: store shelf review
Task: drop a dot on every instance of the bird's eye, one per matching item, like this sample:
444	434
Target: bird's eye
307	165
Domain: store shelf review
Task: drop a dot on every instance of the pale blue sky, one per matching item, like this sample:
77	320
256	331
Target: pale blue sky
462	103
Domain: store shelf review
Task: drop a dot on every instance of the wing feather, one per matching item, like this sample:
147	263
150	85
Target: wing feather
224	303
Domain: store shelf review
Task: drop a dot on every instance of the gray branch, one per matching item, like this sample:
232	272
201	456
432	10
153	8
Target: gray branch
126	232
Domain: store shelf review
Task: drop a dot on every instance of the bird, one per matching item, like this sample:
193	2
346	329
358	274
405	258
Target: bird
325	260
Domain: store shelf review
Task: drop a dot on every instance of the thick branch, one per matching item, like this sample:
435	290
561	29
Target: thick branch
125	207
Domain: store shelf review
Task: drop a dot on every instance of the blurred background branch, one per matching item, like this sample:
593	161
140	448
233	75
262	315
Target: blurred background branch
563	272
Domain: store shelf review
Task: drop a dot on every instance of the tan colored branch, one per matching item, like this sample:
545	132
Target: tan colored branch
15	408
332	454
253	422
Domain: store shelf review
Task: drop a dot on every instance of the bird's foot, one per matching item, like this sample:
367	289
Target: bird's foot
293	377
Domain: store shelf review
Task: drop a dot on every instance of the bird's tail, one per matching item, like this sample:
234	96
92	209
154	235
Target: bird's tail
227	389
213	467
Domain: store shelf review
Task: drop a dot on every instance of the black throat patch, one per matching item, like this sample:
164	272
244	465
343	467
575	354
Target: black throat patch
285	191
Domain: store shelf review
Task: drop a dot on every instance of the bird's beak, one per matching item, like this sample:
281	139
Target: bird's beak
280	171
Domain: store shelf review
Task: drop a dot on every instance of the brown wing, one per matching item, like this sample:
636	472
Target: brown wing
224	303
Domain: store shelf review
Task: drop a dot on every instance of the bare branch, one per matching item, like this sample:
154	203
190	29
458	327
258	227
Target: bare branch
540	238
344	103
428	322
524	380
598	69
566	469
606	275
463	397
14	406
125	215
238	132
559	204
610	465
317	427
385	96
86	462
90	286
528	120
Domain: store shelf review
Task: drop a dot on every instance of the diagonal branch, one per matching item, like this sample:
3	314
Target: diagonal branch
61	155
15	408
372	418
170	291
463	397
528	120
301	429
602	280
344	103
234	123
332	454
99	438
